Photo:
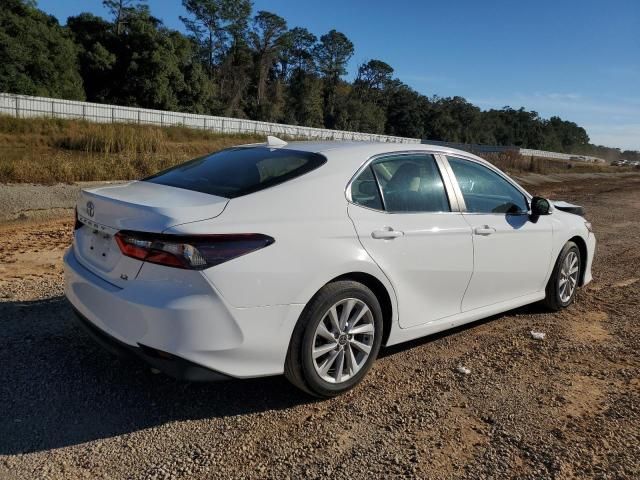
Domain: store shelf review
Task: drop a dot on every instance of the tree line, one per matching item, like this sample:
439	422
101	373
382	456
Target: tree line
240	63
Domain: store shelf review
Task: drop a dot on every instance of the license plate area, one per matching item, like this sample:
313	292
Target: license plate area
97	247
100	245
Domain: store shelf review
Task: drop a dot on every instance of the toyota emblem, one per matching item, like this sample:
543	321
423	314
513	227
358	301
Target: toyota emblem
90	209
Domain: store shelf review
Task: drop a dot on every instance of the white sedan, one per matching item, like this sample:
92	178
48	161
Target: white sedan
305	258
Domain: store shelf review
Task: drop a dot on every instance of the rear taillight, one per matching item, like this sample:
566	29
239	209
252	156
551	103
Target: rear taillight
193	252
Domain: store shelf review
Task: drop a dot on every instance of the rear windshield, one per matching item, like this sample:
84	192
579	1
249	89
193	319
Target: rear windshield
239	171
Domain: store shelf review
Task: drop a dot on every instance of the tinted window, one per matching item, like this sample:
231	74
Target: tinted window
364	190
411	183
239	171
485	191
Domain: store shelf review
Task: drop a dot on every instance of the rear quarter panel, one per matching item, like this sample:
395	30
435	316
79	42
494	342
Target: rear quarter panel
315	242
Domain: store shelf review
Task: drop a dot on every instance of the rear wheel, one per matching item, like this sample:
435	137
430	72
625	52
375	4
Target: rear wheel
336	339
562	286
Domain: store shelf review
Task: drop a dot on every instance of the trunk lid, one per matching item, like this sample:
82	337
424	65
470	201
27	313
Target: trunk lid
147	207
138	206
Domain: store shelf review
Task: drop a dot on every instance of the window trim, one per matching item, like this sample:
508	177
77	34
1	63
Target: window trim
442	170
456	186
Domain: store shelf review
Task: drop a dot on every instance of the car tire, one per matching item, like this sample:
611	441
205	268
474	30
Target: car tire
310	350
565	278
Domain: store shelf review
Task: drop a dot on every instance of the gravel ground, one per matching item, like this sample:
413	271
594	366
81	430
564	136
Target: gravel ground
564	407
25	201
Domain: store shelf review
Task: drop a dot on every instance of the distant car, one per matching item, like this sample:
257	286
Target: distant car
617	163
305	258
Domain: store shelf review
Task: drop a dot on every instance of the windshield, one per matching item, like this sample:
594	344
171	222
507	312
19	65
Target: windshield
239	171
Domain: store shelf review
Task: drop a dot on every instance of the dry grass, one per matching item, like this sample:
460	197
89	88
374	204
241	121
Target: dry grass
45	150
514	163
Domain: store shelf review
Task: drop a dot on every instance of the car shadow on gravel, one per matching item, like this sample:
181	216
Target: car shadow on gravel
531	309
58	388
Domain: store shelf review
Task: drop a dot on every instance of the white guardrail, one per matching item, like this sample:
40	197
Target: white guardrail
24	106
525	152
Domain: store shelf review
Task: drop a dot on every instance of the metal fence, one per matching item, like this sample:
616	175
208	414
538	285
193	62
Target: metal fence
23	106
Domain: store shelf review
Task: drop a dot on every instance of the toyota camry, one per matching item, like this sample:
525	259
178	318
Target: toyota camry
304	258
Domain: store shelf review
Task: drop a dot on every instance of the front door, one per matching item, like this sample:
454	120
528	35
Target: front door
403	218
512	254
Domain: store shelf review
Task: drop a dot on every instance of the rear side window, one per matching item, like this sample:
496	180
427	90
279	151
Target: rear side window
364	190
239	171
410	183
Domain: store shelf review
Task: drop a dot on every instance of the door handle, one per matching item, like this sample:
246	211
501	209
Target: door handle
484	230
387	233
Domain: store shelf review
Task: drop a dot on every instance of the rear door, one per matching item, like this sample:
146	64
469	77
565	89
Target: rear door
406	221
512	254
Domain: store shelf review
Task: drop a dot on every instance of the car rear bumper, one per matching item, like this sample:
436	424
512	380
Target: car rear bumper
180	324
172	365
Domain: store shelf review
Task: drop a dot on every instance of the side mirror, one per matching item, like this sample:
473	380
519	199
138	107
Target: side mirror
539	206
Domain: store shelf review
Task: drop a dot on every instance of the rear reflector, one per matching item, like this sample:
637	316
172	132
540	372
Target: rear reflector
192	252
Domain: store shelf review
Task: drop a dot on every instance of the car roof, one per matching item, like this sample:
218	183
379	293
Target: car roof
360	151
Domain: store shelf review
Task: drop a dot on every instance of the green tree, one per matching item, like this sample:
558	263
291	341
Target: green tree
205	25
405	111
160	65
297	53
97	43
332	55
120	10
373	78
266	39
304	100
263	72
37	56
219	28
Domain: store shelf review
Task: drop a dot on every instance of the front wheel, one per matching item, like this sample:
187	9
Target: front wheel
336	339
562	286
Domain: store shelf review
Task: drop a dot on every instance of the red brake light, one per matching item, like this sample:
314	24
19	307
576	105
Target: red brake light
193	252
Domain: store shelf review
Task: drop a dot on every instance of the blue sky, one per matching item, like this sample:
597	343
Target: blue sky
579	59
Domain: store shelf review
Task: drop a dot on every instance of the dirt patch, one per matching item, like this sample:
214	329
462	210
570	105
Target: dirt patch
584	397
31	254
626	282
590	327
468	438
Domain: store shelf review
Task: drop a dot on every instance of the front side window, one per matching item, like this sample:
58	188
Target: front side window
485	191
239	171
410	183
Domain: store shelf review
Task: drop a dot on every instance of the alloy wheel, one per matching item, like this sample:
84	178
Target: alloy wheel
343	340
568	278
